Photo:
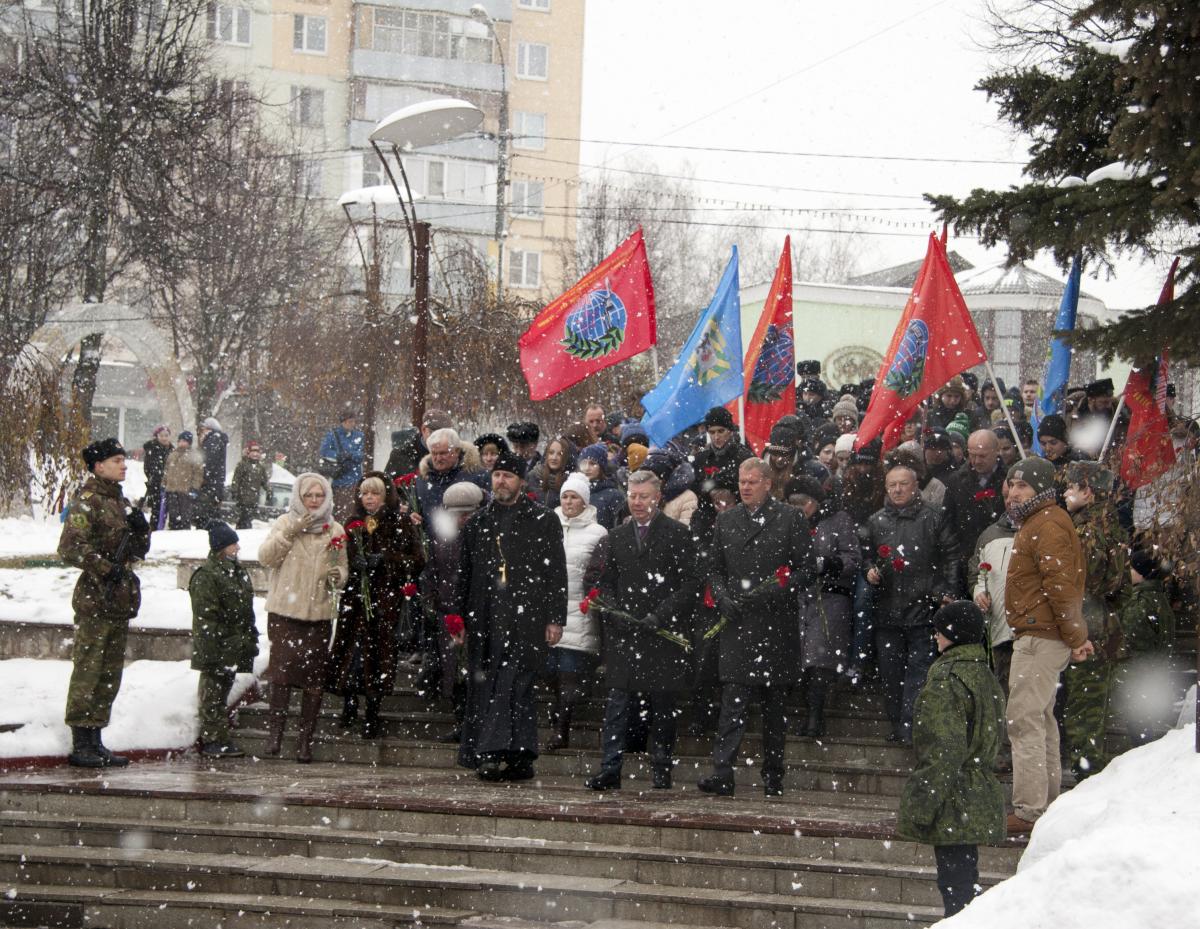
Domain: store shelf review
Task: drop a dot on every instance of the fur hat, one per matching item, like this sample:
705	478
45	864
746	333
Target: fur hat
101	451
220	536
807	485
523	432
577	483
211	423
961	622
433	420
1038	473
718	416
490	438
463	497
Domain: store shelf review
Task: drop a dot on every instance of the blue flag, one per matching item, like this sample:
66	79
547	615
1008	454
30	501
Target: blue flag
1052	393
709	370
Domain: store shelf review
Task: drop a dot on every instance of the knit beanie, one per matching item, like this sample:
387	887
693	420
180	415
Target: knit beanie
597	453
1147	565
845	443
579	484
718	416
510	462
959	426
1038	473
961	622
220	536
846	406
1054	426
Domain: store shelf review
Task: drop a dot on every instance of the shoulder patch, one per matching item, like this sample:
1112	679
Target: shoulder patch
85	494
77	521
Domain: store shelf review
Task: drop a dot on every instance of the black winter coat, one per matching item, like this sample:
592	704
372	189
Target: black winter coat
919	534
970	508
763	645
512	583
154	461
657	577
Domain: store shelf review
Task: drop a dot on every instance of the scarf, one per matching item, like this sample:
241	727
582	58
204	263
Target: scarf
322	517
1019	512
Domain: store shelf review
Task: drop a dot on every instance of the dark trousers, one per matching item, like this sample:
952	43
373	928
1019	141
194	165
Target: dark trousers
904	654
957	875
863	653
735	700
619	711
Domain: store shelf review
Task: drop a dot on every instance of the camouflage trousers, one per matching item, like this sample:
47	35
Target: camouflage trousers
1087	686
98	657
213	697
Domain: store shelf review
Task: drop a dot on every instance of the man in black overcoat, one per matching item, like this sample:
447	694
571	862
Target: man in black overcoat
762	553
649	573
512	593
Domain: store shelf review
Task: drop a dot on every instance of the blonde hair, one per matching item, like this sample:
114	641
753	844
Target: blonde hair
372	485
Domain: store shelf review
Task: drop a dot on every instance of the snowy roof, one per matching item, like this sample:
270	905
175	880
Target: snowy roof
1018	279
905	275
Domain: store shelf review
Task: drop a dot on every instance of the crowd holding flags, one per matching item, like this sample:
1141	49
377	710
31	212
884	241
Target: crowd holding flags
1052	394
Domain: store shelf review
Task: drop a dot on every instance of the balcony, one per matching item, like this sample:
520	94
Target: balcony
443	72
499	10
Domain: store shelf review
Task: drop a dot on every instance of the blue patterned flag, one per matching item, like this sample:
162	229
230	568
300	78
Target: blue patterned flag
708	372
1052	393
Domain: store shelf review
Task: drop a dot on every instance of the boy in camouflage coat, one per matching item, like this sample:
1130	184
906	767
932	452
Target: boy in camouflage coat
103	535
952	800
251	475
224	637
1088	684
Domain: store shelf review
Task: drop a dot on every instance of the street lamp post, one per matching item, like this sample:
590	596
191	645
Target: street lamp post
480	13
411	127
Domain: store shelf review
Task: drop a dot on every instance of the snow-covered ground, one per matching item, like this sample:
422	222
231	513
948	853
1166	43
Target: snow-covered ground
155	708
1118	851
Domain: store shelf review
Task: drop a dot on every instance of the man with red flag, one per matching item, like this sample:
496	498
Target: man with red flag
934	341
771	387
607	317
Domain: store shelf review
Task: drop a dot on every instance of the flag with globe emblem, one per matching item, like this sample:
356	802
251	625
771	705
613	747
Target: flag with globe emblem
607	317
934	340
770	359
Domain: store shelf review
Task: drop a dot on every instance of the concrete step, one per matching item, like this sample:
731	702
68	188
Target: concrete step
866	880
366	883
68	906
55	641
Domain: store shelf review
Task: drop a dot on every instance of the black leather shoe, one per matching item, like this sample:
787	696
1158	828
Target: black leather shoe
221	750
716	785
453	736
662	778
519	771
773	787
607	779
490	771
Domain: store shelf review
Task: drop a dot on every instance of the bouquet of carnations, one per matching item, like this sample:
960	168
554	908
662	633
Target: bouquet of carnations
593	599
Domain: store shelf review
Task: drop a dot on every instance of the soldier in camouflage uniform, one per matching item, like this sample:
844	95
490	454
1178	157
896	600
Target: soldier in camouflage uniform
1087	684
103	535
251	475
952	800
1143	678
224	637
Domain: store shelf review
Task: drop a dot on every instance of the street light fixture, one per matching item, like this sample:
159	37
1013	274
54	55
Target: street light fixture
410	127
480	14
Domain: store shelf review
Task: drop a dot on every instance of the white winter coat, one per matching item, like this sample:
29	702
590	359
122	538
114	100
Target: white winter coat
581	535
996	553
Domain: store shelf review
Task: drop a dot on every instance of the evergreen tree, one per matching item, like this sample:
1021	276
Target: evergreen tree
1104	83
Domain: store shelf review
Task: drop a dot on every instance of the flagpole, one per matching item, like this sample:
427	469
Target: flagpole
654	361
1012	427
1112	428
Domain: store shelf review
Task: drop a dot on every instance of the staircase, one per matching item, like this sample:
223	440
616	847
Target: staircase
390	832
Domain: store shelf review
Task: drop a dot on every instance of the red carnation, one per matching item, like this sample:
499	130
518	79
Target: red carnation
783	574
986	494
405	480
898	563
584	605
593	593
409	590
454	624
709	600
711	470
813	532
885	551
354	525
985	566
325	528
337	542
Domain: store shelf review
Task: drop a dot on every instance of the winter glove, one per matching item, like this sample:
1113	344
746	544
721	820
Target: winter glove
374	560
729	608
116	574
833	566
360	563
136	521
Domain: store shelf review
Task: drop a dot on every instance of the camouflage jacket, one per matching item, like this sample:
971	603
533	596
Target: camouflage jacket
91	538
1147	620
249	477
952	797
1105	546
223	629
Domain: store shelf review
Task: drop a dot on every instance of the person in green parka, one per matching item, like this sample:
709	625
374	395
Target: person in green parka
224	637
952	800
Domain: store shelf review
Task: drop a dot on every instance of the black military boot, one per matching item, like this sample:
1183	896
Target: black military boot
607	779
371	725
83	748
110	760
349	711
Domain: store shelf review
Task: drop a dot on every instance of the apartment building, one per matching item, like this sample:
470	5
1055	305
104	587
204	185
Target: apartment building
330	69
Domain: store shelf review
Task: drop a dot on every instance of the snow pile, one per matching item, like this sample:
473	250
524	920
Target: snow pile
155	708
1119	850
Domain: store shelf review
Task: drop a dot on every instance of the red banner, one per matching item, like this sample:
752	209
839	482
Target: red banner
934	341
771	360
1148	452
604	319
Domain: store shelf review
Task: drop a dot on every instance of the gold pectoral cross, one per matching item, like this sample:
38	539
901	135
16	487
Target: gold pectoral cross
503	564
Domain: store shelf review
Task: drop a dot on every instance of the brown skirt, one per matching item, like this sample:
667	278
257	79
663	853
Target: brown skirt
299	651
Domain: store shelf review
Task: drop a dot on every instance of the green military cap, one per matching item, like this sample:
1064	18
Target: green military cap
1091	474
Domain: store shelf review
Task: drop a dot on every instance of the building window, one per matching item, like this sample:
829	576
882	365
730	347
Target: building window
533	61
529	131
372	170
527	199
306	178
228	24
308	107
459	180
431	35
525	269
308	34
542	6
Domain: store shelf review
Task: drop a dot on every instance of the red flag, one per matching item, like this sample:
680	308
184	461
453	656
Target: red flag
605	318
1148	452
771	359
934	340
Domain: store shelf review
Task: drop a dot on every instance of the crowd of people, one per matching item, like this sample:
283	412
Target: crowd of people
959	573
